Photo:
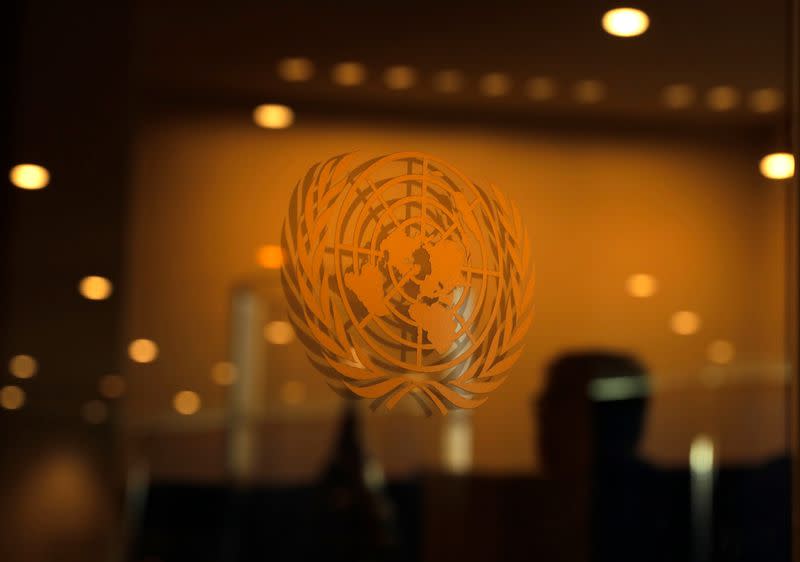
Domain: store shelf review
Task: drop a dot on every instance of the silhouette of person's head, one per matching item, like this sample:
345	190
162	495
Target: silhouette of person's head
591	411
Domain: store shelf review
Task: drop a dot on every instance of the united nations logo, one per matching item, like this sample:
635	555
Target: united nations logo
406	279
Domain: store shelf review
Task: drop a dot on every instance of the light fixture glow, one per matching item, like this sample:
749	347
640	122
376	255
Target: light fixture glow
540	88
224	373
279	332
186	402
23	366
625	22
12	397
678	96
94	412
270	256
589	91
495	84
349	74
701	455
95	288
777	166
448	81
720	352
29	176
723	98
143	350
400	77
765	100
685	322
273	116
111	386
641	285
295	69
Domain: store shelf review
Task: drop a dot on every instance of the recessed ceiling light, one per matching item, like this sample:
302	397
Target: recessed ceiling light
495	84
777	166
540	88
625	22
765	100
12	397
29	176
678	96
400	77
589	91
95	288
273	116
23	366
448	81
295	69
349	73
722	98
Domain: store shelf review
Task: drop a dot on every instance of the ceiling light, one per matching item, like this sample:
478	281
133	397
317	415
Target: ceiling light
273	116
678	96
589	91
29	176
722	98
448	81
349	73
540	88
295	69
777	166
143	351
400	77
12	397
625	22
22	366
95	288
495	84
765	100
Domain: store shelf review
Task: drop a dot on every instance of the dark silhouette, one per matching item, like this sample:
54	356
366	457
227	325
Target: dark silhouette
354	519
607	503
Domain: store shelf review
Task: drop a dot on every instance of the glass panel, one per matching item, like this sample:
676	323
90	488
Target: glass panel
162	399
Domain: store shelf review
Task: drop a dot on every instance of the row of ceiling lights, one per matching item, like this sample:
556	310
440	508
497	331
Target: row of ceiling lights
538	88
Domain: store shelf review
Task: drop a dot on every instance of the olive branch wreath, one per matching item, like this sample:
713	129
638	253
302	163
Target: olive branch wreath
321	323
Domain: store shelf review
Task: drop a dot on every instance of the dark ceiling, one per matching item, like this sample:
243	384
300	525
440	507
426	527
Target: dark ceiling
228	52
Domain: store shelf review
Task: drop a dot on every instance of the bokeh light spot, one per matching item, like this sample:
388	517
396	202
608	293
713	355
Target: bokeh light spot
95	288
12	397
641	285
685	322
186	402
143	350
273	116
224	373
777	166
279	332
29	176
23	366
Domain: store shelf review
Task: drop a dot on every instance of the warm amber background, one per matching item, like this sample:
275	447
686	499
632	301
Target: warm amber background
600	206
